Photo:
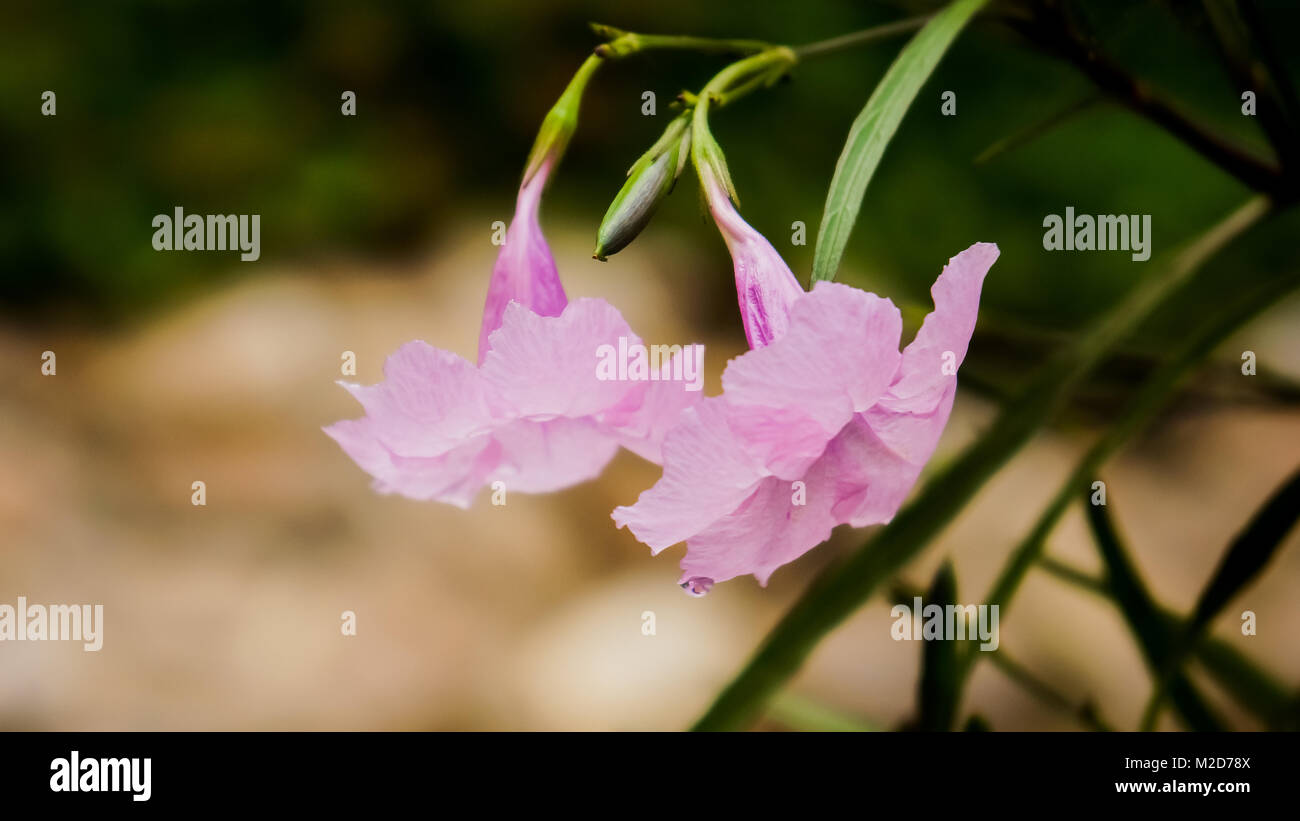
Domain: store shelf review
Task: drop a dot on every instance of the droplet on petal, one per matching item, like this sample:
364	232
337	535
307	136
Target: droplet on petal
697	585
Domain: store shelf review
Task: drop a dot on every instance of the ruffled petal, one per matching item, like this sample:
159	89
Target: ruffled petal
877	458
646	414
548	366
707	474
838	356
454	476
776	524
926	372
430	401
541	457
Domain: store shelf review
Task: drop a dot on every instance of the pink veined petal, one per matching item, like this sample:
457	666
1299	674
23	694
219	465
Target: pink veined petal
646	414
547	366
707	474
921	380
525	269
430	401
775	525
541	457
877	458
764	284
454	476
838	356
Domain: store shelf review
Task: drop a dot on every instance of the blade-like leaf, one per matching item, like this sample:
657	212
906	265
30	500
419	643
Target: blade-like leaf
1253	687
1136	415
1249	552
1243	561
875	126
1143	617
938	687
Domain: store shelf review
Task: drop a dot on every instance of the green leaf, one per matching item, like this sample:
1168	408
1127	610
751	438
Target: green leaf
1144	618
1141	409
875	127
939	664
1249	553
1245	558
1253	687
847	583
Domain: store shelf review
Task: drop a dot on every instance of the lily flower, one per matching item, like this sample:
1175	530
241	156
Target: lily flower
534	412
823	422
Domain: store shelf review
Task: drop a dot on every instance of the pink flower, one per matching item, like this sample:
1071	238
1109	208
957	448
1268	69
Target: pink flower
823	423
533	413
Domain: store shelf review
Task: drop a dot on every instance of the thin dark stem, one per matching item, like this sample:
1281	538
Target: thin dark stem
859	37
1052	29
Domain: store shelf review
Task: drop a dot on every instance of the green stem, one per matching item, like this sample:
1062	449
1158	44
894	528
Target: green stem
705	152
1148	401
625	43
857	38
1254	688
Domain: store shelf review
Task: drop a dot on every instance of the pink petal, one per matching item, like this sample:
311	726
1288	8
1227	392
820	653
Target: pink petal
767	530
877	458
647	413
838	356
454	476
541	457
429	402
764	284
546	366
921	379
525	270
707	474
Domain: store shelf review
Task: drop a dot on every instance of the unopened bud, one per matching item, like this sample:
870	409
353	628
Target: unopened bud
649	180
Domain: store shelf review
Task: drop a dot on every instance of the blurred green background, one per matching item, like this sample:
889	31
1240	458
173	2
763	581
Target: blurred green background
234	108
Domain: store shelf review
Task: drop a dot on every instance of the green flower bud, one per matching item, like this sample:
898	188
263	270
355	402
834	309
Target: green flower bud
649	180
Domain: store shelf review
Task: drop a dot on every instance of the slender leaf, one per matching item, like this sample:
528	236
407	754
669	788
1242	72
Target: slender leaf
1135	416
1143	617
875	127
1249	552
1245	558
1253	687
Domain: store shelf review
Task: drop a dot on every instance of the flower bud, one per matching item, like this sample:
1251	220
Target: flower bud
649	180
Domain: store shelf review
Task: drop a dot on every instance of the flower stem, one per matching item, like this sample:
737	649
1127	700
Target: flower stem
857	38
625	43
